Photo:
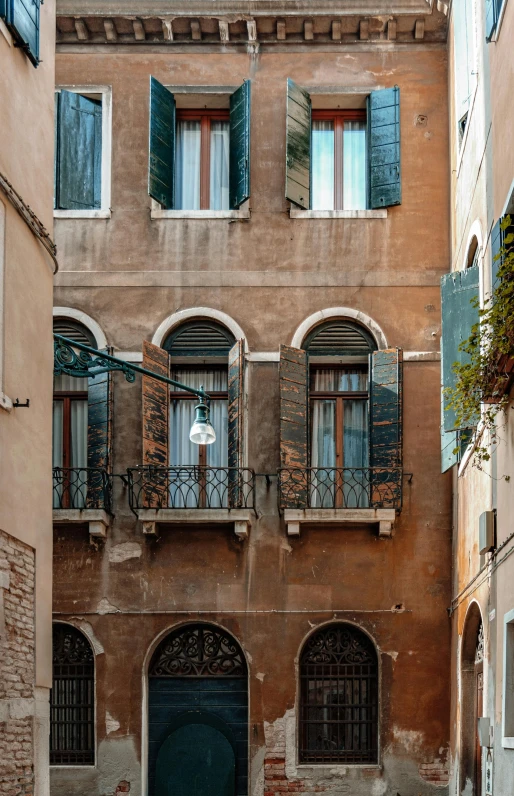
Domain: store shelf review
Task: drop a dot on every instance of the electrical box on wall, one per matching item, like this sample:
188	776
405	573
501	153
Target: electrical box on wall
486	528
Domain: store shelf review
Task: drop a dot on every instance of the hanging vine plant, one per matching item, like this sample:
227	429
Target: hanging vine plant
483	380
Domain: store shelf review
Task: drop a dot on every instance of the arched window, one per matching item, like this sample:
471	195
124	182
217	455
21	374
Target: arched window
473	253
338	697
72	701
198	712
70	426
472	700
338	353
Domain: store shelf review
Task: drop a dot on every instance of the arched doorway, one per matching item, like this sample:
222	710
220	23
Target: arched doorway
471	707
198	714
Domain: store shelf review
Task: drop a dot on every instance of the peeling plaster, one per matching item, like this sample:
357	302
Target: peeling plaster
111	725
88	631
123	552
393	654
105	607
260	676
411	740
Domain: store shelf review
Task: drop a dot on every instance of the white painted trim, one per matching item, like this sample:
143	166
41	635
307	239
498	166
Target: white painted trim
508	619
82	213
181	316
2	299
421	356
4	30
263	356
158	212
295	212
129	356
338	312
475	231
106	92
86	320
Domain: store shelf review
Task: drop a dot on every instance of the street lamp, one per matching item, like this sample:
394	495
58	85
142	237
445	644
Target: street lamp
89	362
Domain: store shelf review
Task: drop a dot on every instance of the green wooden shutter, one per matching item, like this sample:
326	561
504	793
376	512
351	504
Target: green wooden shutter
298	145
458	290
239	173
384	171
161	153
386	436
294	407
22	18
79	152
99	416
235	421
498	238
449	439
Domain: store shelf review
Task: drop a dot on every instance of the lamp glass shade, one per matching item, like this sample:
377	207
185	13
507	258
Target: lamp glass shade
202	432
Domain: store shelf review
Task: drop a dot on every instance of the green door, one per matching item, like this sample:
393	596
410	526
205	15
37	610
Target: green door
196	760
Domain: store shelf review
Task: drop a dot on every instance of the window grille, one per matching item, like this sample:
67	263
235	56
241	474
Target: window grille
74	331
72	700
199	338
339	697
339	338
199	650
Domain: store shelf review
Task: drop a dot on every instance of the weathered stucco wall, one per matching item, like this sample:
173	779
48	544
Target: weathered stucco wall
269	274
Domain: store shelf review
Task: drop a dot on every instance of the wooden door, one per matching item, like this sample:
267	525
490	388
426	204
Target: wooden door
196	760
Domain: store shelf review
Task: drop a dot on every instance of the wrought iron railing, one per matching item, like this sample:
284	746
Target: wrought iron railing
191	487
82	488
345	488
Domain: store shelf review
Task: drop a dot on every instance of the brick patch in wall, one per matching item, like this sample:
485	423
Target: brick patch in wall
17	667
276	782
434	773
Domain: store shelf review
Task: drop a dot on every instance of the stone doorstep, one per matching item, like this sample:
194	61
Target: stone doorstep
98	520
152	518
384	518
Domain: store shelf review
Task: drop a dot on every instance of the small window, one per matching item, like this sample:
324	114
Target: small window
72	699
81	147
202	160
338	697
508	681
22	19
338	163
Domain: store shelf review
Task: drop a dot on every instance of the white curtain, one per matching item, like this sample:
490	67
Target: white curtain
184	491
322	165
339	380
187	166
69	384
355	453
354	166
323	453
220	142
78	454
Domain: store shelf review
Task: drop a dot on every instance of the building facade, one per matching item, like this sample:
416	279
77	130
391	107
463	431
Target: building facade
241	205
27	264
482	171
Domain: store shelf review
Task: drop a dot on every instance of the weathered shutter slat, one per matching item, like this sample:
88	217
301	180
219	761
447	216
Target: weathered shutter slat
79	152
155	407
386	433
239	172
22	18
458	290
99	420
294	407
161	151
235	421
298	145
449	441
384	167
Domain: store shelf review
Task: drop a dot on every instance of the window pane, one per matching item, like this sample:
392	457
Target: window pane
220	139
323	434
354	166
187	166
57	434
66	383
339	380
322	165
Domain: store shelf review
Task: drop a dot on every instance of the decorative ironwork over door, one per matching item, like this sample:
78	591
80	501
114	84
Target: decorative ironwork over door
339	697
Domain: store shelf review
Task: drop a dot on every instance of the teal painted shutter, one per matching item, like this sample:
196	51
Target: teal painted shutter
498	241
386	435
458	290
161	154
239	172
449	440
490	18
294	406
79	152
384	171
298	145
99	405
235	422
22	18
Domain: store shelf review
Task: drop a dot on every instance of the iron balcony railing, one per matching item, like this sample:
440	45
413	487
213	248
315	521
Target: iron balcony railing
345	488
82	488
191	487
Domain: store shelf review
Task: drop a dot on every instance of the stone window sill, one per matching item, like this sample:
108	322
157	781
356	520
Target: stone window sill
335	214
384	518
240	518
82	213
158	212
98	520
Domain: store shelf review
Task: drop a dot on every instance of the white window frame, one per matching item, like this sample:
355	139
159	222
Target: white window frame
508	681
105	209
5	401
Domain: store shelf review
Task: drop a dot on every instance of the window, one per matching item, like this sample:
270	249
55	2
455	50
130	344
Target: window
338	160
72	699
202	160
82	150
343	159
338	697
22	19
493	14
199	159
508	680
463	60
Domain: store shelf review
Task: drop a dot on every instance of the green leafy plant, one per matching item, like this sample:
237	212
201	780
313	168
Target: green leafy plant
483	379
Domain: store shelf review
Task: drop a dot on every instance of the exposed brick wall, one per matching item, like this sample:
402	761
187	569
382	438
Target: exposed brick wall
276	782
17	667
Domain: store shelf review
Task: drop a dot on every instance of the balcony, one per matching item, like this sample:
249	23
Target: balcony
207	495
82	495
370	495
